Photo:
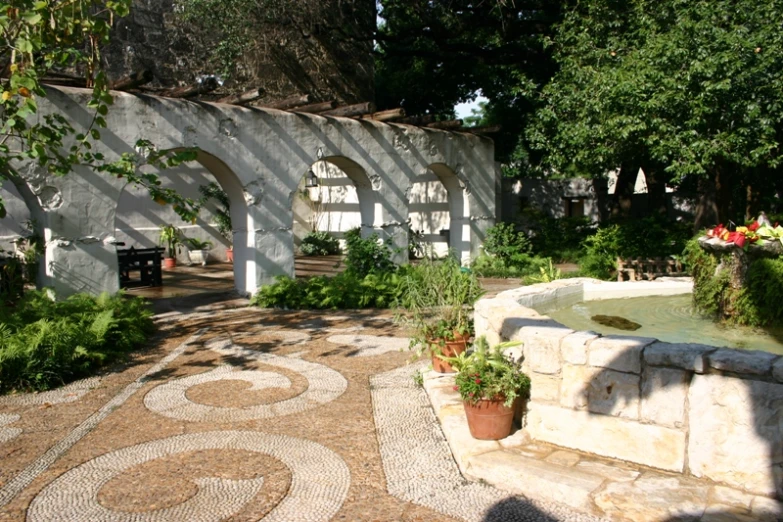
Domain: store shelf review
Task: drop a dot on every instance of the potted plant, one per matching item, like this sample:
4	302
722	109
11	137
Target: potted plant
490	384
198	250
439	298
171	236
222	214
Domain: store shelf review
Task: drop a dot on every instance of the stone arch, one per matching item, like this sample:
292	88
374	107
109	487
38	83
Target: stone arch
23	207
205	163
352	205
445	201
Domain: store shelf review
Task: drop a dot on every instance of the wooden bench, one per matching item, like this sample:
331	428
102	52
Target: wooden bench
639	269
145	261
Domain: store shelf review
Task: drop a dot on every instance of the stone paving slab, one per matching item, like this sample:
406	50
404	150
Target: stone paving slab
588	483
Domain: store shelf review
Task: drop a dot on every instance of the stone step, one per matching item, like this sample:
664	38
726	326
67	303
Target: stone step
591	484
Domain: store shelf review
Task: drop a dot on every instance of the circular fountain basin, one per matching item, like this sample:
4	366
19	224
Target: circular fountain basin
668	318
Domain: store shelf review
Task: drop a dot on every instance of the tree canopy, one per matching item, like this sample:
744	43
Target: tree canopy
433	54
691	86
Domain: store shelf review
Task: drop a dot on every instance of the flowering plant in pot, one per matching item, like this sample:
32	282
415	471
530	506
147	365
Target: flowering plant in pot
490	384
438	297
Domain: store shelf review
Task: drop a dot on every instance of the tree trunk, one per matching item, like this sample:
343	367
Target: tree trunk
601	191
657	204
707	207
623	190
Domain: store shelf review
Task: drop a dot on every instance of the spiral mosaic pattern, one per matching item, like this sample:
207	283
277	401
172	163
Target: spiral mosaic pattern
324	385
319	482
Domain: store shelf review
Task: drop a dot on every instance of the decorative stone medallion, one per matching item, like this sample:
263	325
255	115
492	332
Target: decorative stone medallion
319	482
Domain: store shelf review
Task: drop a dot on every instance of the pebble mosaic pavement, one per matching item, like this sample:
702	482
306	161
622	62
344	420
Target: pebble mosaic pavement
245	415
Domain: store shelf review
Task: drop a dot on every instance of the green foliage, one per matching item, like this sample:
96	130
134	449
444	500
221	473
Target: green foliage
761	301
560	238
504	241
193	243
519	265
213	192
367	255
506	253
758	303
709	288
37	38
546	274
487	373
172	237
438	297
343	291
432	55
44	343
649	237
319	243
688	85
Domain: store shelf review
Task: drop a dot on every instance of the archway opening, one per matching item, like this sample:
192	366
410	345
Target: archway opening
439	216
138	221
341	200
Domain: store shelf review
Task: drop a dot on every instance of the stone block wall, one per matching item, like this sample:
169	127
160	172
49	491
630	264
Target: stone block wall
699	410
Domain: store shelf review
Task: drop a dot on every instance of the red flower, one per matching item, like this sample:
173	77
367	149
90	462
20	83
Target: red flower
478	381
754	226
472	394
456	388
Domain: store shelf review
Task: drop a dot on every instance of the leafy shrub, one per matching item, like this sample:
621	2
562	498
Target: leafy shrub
504	242
343	291
560	239
367	255
319	244
520	265
650	237
44	343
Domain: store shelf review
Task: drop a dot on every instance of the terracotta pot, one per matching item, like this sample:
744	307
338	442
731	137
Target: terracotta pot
489	419
230	255
447	349
169	263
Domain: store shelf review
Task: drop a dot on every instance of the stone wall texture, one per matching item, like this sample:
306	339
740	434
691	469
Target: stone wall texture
699	410
284	57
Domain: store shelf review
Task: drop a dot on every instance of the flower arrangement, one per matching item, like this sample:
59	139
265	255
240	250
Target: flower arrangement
758	232
487	373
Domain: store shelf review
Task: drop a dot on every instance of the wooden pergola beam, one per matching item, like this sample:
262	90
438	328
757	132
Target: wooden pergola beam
445	125
133	80
347	111
315	108
244	98
206	85
422	119
388	115
288	103
487	129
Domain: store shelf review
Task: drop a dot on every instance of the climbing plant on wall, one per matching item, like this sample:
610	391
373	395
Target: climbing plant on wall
41	38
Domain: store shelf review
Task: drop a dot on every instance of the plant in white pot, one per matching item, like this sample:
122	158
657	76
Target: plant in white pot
198	250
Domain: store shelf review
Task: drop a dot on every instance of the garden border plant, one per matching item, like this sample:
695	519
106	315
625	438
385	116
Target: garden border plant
46	343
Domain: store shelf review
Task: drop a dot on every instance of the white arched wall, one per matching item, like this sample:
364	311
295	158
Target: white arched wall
347	200
453	208
267	152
